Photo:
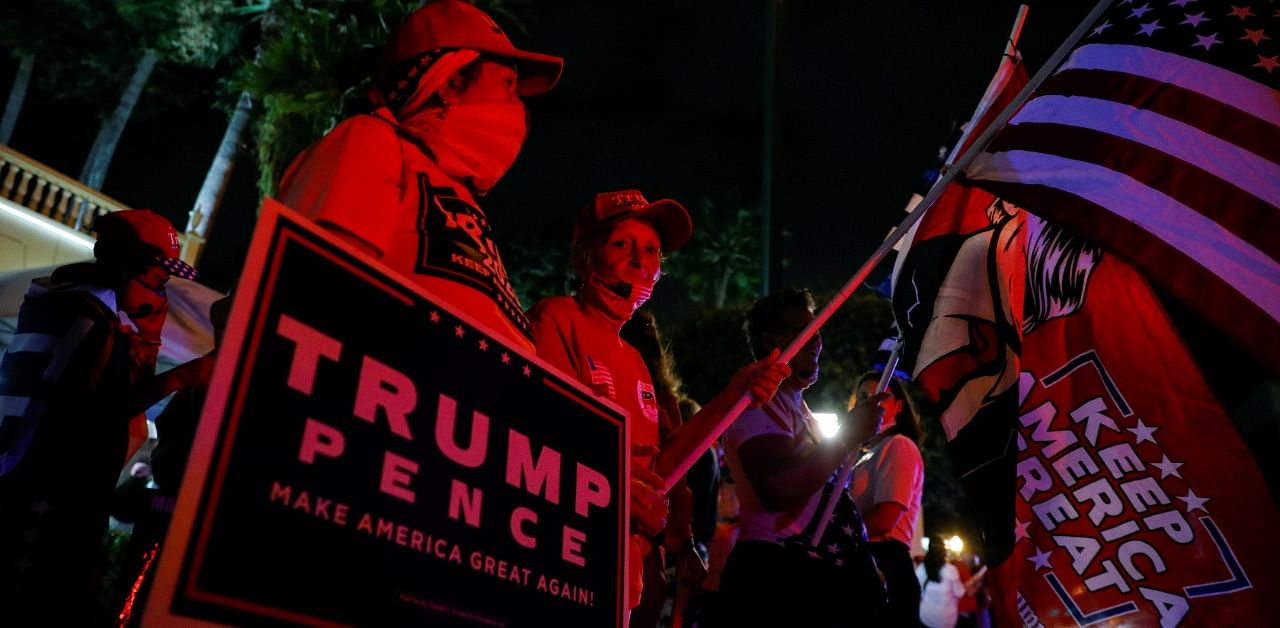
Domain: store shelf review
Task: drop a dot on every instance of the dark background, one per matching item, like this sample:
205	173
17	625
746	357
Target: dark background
665	96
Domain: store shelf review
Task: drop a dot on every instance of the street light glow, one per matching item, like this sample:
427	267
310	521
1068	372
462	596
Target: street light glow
828	423
955	544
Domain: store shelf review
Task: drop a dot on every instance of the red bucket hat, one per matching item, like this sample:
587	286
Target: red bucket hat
142	231
451	24
669	218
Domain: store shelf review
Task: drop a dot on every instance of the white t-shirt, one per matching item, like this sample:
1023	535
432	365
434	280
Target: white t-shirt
891	471
940	601
787	415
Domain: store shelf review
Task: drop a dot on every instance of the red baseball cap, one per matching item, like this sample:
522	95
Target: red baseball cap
146	232
457	24
668	217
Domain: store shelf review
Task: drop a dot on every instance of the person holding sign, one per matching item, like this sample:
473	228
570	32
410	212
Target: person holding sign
401	183
618	242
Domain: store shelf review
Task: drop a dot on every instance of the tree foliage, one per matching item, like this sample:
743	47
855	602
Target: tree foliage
536	270
721	264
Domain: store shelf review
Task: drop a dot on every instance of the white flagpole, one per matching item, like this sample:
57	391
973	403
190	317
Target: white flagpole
685	447
1007	62
846	470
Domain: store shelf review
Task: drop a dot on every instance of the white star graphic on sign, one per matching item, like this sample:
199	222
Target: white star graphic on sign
1041	559
483	344
527	371
1268	63
1143	433
1149	28
435	317
457	331
1138	12
1104	26
848	530
1193	501
506	358
1168	467
1194	19
1206	42
1020	530
833	549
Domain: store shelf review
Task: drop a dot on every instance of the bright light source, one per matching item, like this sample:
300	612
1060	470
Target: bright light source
924	543
828	423
955	544
49	225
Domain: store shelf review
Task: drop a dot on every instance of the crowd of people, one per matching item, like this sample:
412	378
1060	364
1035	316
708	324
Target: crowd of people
787	546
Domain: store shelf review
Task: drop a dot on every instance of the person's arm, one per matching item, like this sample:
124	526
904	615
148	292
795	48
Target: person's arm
973	583
782	479
785	480
151	390
896	476
882	519
759	379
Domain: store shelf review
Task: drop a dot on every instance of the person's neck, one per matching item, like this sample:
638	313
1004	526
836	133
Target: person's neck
590	299
793	389
883	436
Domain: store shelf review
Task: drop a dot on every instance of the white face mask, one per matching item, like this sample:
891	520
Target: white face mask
473	143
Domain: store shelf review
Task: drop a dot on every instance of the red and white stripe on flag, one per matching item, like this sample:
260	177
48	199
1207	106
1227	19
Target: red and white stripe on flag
600	376
1159	139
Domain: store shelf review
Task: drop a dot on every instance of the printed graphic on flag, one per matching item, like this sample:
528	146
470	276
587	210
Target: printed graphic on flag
1159	139
600	376
958	301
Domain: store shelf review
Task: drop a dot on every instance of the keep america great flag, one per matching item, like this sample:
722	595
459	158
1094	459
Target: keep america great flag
1159	139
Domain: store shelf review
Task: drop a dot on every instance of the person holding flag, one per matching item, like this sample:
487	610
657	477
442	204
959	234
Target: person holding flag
783	470
618	242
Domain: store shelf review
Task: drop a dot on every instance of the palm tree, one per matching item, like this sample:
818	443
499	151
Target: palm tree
17	94
719	265
190	32
209	198
26	27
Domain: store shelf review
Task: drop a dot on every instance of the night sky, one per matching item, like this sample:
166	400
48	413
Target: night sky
665	96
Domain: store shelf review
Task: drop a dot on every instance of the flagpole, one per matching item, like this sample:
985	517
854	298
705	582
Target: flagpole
684	447
993	88
846	472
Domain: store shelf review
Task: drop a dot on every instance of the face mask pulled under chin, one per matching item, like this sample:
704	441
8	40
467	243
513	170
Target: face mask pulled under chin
475	143
619	297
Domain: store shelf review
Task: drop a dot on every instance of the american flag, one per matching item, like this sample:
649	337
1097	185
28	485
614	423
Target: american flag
1159	138
600	376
